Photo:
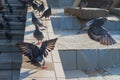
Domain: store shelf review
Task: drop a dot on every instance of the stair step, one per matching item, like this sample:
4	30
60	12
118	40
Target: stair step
17	27
17	32
14	6
16	23
15	37
8	58
15	12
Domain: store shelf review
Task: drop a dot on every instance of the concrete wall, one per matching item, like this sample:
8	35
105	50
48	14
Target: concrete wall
89	58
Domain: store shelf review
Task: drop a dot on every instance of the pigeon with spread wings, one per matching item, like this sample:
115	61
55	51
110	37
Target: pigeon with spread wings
97	32
36	54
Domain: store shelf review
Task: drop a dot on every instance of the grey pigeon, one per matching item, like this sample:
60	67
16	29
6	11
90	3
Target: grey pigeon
36	21
97	32
83	3
38	34
37	54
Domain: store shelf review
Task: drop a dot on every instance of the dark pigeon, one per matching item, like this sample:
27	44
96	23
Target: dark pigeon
38	34
8	36
37	54
9	6
109	4
1	24
97	32
83	3
41	7
8	26
21	19
6	19
34	5
46	13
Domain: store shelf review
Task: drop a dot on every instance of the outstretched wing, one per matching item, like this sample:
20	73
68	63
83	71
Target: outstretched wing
47	46
101	35
28	50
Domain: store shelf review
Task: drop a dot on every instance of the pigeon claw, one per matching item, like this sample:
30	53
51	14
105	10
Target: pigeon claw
44	67
39	42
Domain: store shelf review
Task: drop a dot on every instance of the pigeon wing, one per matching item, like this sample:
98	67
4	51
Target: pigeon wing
101	35
47	46
28	50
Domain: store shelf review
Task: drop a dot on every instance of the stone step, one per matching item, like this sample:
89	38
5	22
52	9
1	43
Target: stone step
14	32
17	23
9	58
14	6
72	23
17	27
9	47
15	12
9	74
115	11
15	37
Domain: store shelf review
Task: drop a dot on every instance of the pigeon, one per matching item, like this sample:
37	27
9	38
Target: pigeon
8	35
97	32
38	34
1	24
6	19
34	5
109	4
36	54
83	3
41	7
9	6
1	6
46	13
21	19
8	26
36	21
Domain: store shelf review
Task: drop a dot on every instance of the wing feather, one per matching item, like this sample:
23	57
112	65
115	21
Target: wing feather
47	46
28	50
101	36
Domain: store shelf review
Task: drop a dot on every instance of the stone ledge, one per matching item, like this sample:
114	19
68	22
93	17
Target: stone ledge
86	13
115	11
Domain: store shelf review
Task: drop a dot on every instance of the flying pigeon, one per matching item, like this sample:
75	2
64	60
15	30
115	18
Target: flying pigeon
97	32
83	3
36	54
46	13
38	34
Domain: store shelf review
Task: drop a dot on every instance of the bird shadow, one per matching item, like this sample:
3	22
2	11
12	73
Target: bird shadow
29	32
27	73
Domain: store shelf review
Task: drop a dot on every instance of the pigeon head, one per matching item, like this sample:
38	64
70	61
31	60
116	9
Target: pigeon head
86	26
96	21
